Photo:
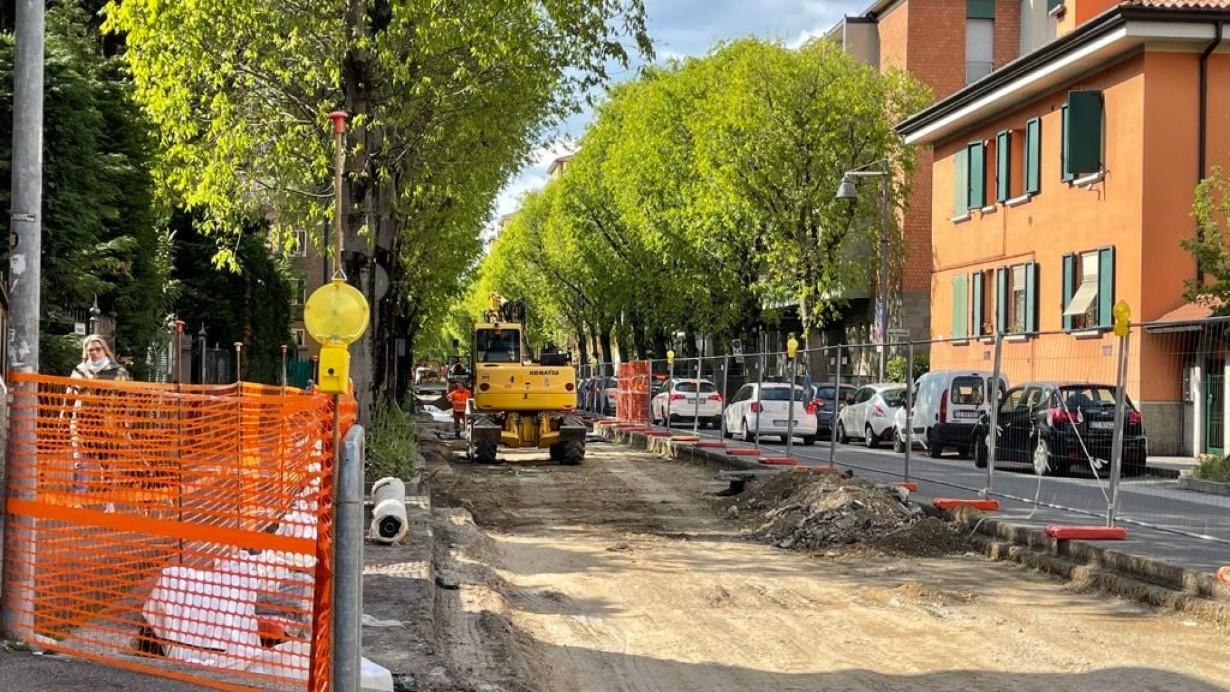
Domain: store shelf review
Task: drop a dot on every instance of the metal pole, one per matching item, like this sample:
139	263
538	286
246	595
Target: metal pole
794	378
25	269
882	303
238	360
909	407
836	411
759	390
348	556
204	354
993	399
1116	457
670	379
179	352
725	389
696	398
283	366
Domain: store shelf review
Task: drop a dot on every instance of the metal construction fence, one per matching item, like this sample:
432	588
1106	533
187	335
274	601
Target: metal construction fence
1083	421
183	531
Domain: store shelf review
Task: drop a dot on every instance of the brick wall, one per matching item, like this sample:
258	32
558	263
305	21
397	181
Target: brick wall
1007	32
916	273
894	35
936	53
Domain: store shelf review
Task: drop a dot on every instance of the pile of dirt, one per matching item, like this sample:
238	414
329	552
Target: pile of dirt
807	511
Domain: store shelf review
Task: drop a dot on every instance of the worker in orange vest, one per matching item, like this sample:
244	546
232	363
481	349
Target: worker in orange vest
458	398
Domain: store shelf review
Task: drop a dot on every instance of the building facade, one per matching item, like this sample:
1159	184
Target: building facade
1063	183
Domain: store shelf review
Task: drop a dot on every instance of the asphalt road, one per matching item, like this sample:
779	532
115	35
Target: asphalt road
1080	499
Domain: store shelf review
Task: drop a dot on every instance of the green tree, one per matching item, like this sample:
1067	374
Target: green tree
447	99
248	303
100	233
1211	209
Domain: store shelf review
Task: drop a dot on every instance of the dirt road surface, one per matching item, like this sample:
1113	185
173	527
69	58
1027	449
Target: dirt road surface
620	574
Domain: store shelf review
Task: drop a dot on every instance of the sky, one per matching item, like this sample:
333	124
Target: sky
682	28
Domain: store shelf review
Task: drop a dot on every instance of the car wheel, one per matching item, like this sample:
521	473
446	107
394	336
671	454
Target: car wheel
869	437
727	434
842	437
1042	457
809	440
747	433
982	452
715	422
934	449
898	443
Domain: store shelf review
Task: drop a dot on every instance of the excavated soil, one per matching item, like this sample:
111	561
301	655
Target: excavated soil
626	573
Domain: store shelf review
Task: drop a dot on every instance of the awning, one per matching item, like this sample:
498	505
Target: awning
1083	299
1188	317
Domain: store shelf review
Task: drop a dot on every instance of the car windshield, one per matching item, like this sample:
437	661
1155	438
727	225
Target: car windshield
780	394
893	397
1088	396
967	391
826	391
498	346
705	387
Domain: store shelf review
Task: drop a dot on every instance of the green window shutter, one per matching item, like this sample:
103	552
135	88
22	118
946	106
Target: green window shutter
980	9
1003	166
960	183
1069	266
1083	148
976	317
1065	172
1033	156
1001	299
959	313
1052	4
977	175
1031	297
1106	286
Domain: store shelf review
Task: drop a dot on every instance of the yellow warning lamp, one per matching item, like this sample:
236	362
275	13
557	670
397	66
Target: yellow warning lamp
1123	317
335	316
670	358
792	347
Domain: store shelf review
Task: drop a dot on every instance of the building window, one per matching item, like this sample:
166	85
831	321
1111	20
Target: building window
1082	134
298	292
960	314
981	317
979	39
970	179
300	338
1088	289
1033	156
298	247
1016	298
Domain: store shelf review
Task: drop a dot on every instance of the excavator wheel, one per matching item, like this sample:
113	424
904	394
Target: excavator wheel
572	453
484	452
557	451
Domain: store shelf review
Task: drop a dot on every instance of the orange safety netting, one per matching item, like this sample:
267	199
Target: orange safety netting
632	398
183	531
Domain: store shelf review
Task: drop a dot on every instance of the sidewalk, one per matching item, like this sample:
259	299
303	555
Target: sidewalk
25	671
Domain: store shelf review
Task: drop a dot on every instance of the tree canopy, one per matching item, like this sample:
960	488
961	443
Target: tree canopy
704	191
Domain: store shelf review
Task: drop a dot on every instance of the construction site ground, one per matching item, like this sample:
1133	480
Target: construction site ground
627	573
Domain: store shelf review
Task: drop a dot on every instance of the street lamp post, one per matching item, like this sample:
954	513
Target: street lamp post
670	364
849	190
792	351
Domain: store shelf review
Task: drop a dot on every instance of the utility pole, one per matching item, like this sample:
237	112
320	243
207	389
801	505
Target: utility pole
25	271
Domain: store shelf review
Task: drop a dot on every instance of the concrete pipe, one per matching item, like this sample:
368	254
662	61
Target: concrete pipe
389	523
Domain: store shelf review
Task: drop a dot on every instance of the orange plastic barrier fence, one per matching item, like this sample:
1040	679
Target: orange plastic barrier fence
182	531
632	400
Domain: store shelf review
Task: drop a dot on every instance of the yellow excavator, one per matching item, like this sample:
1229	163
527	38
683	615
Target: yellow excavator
520	402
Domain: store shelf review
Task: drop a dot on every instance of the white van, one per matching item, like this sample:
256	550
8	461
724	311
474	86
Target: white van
947	405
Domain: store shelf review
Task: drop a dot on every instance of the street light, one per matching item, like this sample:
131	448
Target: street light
670	363
848	189
792	351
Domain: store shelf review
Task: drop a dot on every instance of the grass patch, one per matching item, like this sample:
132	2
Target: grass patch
391	444
1213	468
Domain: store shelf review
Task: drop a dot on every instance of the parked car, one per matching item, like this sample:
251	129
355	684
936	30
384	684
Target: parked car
770	403
871	414
685	403
826	400
1055	426
608	395
946	406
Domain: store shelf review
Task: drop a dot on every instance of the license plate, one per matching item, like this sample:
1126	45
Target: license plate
1102	425
967	414
779	422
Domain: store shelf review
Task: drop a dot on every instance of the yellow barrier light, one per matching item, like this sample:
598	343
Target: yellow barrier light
1123	317
335	315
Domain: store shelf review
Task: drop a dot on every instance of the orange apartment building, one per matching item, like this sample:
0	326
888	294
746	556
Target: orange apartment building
945	44
1062	183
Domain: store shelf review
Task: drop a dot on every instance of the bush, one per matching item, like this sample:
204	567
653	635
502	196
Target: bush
896	367
1213	468
392	443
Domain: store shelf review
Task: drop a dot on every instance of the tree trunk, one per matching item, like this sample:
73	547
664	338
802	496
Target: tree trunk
608	355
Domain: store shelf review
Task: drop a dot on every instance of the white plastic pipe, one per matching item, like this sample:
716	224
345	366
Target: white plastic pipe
389	523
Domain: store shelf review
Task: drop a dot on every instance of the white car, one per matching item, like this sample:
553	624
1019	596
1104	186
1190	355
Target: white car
947	405
871	414
680	397
771	405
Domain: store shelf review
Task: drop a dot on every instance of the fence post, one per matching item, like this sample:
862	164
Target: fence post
759	392
836	410
238	361
670	379
1116	455
725	389
696	397
993	399
792	359
283	366
909	407
348	559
